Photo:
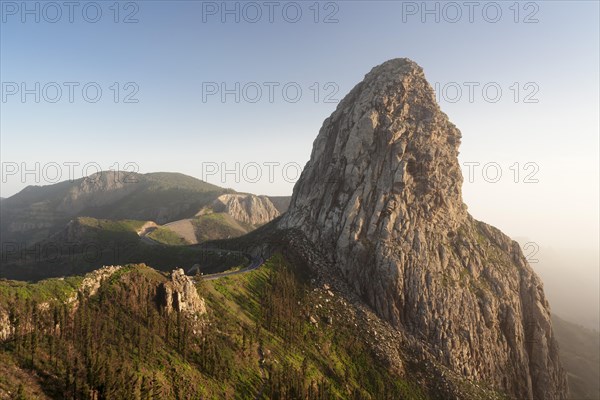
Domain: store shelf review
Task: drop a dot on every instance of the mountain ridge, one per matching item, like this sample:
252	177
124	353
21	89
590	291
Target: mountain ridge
39	211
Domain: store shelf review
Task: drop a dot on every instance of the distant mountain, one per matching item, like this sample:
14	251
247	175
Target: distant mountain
51	230
580	354
37	212
281	203
228	216
249	209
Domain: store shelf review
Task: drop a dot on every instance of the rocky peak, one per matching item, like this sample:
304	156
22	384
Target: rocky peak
381	195
180	295
386	155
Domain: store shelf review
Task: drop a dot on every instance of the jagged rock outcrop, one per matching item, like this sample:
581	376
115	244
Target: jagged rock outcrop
246	208
89	287
180	294
6	328
381	195
92	281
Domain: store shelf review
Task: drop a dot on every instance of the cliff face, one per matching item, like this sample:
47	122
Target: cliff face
180	294
246	208
381	195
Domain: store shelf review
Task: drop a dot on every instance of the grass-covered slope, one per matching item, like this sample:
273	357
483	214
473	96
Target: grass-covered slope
87	243
200	229
219	226
166	236
104	230
267	334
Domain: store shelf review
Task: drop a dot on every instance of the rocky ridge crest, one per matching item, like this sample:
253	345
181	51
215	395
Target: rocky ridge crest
381	197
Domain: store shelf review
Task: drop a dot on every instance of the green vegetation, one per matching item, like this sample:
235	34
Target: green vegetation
304	359
166	236
218	226
127	225
257	340
105	230
96	242
56	289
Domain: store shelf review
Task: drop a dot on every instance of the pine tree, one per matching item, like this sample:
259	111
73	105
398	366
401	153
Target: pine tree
20	395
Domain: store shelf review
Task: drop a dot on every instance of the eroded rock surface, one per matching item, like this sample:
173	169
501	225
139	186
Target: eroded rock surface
246	208
381	195
180	294
6	328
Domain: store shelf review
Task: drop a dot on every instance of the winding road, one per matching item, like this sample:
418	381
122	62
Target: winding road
254	264
145	230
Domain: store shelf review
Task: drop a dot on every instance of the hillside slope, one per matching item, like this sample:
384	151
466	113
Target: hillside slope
86	244
580	354
267	334
47	230
228	216
39	211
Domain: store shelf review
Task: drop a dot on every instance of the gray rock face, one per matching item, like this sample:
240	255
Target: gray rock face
6	328
381	195
180	294
92	281
246	208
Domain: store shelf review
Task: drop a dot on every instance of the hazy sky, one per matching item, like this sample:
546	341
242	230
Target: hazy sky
219	83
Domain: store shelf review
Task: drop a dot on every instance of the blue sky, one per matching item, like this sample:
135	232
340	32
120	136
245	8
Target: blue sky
176	48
